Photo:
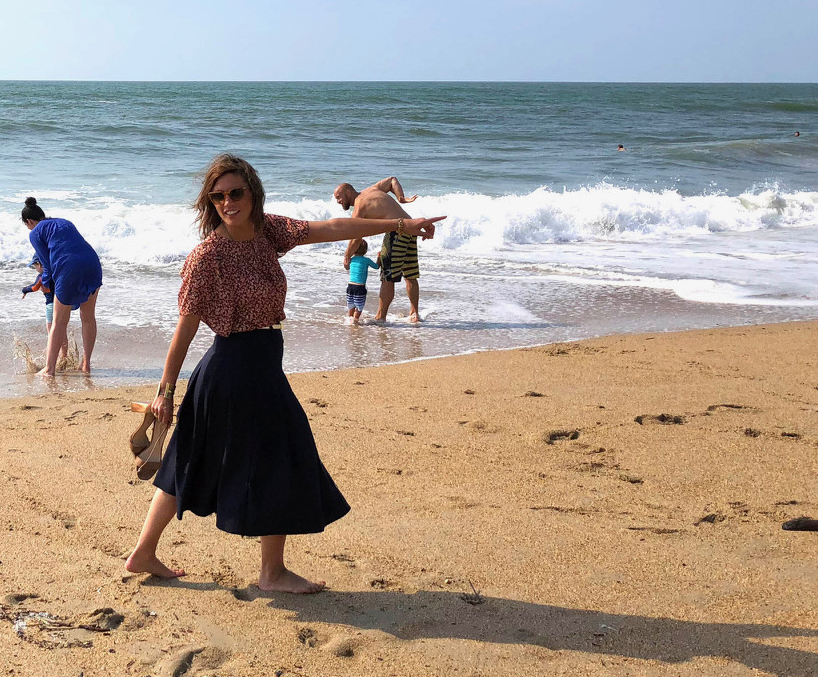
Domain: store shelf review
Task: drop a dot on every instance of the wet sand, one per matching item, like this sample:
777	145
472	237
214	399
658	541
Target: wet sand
608	507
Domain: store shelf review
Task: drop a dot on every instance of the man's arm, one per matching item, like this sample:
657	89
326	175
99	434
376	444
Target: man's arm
391	184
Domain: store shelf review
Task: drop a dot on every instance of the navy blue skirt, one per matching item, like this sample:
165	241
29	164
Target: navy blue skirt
243	447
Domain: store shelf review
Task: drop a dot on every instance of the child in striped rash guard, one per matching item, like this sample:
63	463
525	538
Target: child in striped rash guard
359	267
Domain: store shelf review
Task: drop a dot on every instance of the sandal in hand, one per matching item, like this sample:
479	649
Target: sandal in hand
147	450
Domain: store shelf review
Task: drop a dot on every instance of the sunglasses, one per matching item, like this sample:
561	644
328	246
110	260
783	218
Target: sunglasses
217	197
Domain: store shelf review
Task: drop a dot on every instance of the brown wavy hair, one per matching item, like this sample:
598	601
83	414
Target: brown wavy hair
206	215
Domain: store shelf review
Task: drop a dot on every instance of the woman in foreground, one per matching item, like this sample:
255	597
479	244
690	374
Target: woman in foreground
243	447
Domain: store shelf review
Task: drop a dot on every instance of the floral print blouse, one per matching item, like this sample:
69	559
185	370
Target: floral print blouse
237	286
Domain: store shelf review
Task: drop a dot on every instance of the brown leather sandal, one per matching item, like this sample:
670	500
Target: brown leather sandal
150	460
139	439
147	450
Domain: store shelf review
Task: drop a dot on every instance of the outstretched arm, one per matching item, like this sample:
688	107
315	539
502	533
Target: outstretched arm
392	184
334	230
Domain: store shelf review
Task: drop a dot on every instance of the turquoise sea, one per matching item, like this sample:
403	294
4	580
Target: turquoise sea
708	218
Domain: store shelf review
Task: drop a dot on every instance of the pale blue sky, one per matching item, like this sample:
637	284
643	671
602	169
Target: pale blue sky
541	40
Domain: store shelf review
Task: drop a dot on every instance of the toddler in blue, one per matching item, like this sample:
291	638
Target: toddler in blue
359	267
39	286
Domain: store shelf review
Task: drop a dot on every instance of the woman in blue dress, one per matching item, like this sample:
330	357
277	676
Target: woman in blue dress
71	268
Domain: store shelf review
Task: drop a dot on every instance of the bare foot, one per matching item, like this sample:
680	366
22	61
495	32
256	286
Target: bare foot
138	564
44	372
414	318
85	366
287	581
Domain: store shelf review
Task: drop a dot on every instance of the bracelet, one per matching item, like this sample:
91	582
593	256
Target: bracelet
169	390
401	231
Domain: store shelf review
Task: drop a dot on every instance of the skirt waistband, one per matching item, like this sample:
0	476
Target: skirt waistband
264	334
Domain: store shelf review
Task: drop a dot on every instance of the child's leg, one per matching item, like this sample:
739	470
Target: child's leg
143	558
360	302
275	576
350	304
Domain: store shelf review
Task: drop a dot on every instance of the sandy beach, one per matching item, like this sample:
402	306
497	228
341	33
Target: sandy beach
608	507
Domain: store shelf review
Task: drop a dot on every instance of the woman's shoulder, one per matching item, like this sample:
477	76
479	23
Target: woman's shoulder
275	224
56	222
285	232
203	253
47	227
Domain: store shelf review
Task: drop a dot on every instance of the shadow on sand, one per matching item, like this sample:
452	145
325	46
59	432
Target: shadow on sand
448	615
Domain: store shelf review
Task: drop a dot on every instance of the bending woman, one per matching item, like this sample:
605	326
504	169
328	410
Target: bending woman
72	269
243	447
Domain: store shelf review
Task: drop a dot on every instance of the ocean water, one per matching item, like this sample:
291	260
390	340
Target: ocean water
708	218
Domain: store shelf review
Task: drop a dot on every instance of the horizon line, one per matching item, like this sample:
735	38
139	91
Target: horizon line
553	82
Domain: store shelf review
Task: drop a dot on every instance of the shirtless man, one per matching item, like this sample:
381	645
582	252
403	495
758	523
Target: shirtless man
399	253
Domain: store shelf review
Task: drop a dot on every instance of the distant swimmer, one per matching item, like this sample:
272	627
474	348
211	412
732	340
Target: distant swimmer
620	147
797	133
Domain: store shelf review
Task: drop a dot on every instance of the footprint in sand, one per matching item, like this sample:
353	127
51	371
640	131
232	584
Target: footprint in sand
225	576
102	620
715	407
557	435
337	645
483	426
243	594
192	660
663	419
631	479
307	637
18	597
340	646
346	559
710	518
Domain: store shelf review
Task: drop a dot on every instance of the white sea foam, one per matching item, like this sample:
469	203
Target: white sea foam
151	234
760	247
